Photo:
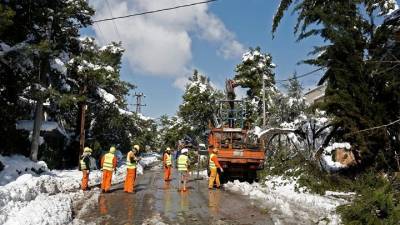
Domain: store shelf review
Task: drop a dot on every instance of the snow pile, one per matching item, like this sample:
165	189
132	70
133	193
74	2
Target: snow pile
33	199
146	162
154	220
17	165
326	159
29	198
289	205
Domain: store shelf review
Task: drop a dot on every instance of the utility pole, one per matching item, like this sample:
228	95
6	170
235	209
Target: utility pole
263	99
82	116
139	104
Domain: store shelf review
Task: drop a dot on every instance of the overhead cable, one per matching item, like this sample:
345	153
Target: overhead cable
303	75
154	11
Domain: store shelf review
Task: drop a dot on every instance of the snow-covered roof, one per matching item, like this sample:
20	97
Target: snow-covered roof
46	126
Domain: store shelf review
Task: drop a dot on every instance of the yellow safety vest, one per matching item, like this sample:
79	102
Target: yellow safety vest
168	160
83	165
108	161
182	163
211	163
129	164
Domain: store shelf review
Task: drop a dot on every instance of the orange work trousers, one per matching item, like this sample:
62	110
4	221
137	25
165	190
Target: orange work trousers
167	173
106	183
85	179
130	178
214	176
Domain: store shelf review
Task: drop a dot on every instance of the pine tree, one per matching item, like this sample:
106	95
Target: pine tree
41	30
350	29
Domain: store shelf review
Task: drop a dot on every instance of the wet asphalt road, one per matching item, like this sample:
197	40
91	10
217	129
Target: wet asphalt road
156	200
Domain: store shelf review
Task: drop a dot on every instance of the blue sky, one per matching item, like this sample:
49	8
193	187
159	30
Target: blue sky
187	39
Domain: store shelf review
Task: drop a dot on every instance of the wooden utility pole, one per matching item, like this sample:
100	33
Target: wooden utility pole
139	104
82	116
263	99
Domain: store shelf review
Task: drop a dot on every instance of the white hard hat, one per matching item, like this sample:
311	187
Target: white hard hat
184	150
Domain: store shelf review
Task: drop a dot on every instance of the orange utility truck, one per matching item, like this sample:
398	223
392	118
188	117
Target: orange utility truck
240	154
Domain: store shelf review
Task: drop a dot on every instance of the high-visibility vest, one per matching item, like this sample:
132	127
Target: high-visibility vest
108	161
168	161
129	164
211	163
83	164
182	163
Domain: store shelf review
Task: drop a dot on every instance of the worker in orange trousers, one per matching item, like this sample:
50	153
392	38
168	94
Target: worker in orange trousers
108	164
167	162
214	165
131	161
84	165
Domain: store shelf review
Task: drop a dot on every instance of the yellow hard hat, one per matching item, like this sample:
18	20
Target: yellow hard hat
136	147
87	149
113	149
168	149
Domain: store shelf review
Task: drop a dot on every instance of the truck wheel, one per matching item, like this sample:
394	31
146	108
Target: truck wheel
252	176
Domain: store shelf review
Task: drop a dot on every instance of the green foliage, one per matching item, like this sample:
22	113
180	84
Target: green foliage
199	104
172	130
373	206
250	73
6	16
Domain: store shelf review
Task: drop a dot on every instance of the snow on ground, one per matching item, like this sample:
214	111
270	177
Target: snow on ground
29	198
154	220
290	206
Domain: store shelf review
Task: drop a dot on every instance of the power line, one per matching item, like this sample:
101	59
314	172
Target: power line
154	11
303	75
377	127
114	24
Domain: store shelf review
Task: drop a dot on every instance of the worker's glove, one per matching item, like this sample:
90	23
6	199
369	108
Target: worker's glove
222	170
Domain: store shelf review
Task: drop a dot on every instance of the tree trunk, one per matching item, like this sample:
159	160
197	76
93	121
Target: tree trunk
37	124
38	117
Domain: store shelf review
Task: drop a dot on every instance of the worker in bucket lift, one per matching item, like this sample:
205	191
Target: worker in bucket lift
131	161
108	165
214	165
183	164
84	166
167	161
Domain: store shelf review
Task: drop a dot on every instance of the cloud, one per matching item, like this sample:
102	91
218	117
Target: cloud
160	44
181	82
